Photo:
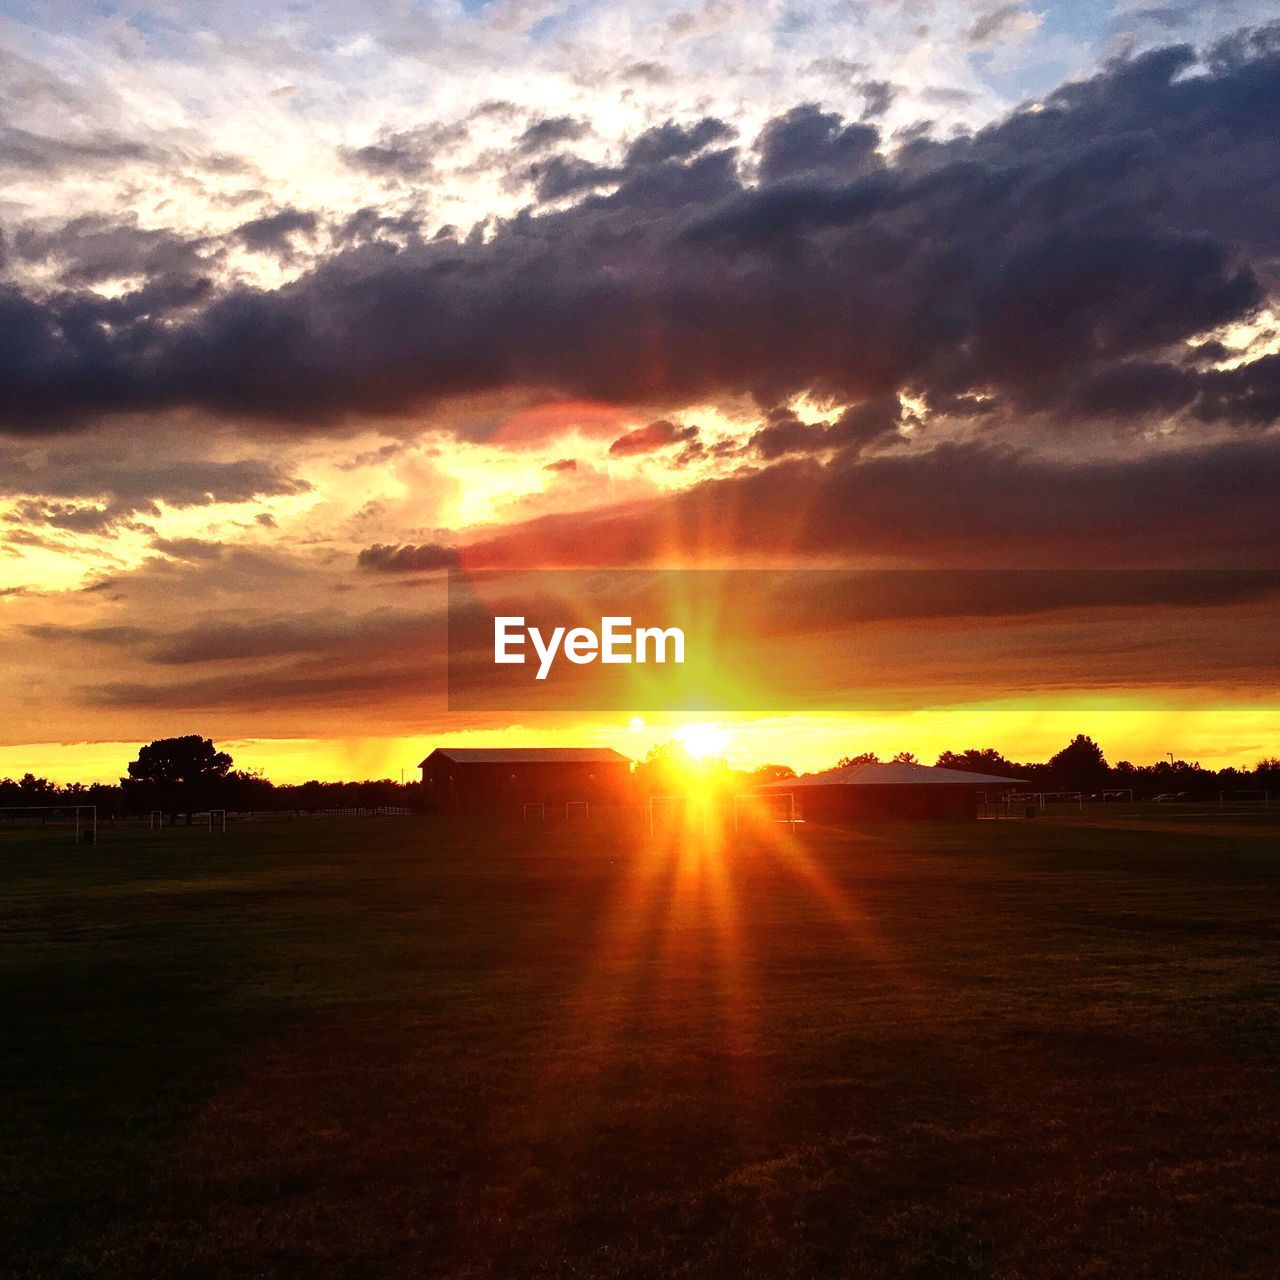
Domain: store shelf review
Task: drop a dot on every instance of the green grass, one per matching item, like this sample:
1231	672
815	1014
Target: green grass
386	1048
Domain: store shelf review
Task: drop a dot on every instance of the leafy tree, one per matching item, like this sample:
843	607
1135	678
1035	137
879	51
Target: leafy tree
772	773
178	774
1080	765
670	769
906	757
1266	774
980	760
864	757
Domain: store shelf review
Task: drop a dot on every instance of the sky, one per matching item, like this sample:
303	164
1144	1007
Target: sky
303	306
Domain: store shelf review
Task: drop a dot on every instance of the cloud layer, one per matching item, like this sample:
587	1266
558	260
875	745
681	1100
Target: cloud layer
1058	263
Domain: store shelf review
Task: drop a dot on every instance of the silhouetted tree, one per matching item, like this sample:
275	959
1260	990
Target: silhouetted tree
981	760
1080	765
863	757
178	774
772	773
906	757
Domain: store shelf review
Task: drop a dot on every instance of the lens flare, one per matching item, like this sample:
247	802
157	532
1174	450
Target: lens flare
703	740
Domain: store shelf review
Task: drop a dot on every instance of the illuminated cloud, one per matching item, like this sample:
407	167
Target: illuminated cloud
314	316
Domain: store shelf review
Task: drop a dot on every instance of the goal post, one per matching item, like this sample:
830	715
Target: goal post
1044	798
767	806
1255	799
1119	795
577	808
80	817
531	806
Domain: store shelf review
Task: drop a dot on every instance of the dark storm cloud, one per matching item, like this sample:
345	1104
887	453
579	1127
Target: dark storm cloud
673	141
274	232
408	153
878	97
94	248
409	558
1057	263
564	175
551	131
955	504
370	226
112	636
650	438
320	689
807	141
134	484
304	659
874	420
79	519
192	550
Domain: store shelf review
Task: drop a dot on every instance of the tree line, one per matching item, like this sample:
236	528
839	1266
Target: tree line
189	774
1082	766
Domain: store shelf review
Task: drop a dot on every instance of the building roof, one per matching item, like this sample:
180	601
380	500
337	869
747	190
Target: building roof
896	774
529	755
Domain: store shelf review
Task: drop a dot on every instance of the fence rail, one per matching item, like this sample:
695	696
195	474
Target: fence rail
275	815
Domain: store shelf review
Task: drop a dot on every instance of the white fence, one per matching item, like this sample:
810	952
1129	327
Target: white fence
202	818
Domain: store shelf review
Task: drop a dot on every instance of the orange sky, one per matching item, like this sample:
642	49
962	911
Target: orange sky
286	340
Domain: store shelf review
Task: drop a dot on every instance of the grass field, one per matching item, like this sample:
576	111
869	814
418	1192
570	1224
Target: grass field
383	1047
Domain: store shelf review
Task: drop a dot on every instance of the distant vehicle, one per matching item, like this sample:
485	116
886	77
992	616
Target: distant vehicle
1174	797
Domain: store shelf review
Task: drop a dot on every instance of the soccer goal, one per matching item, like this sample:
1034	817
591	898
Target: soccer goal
1003	806
577	809
1248	801
1044	798
534	808
79	819
770	807
214	820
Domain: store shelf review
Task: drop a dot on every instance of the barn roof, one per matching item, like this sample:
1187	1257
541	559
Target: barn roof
896	774
529	755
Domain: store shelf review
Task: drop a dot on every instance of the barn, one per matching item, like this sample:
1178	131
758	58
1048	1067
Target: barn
875	791
504	779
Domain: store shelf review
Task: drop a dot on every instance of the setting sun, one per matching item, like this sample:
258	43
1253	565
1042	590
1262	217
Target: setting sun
703	740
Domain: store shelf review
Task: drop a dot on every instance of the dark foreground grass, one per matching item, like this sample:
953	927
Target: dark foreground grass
384	1048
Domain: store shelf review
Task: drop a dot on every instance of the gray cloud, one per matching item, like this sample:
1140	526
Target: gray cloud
274	232
552	131
24	151
409	558
992	25
1055	263
408	153
955	504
